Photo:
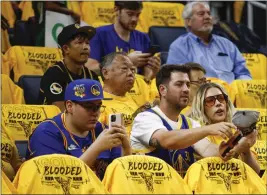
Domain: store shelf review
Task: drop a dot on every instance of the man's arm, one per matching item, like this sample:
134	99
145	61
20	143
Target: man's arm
240	70
177	53
179	139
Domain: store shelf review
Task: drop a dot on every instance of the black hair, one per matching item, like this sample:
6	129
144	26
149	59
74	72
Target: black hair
164	74
131	5
195	66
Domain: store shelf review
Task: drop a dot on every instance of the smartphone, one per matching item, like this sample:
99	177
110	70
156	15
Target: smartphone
115	119
153	49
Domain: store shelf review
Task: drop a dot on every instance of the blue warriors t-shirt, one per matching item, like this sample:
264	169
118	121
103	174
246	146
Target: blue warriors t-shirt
52	137
107	41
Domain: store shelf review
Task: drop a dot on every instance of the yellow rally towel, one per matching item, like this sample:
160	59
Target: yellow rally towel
214	176
57	174
260	148
11	93
7	187
257	65
249	93
31	60
20	120
139	174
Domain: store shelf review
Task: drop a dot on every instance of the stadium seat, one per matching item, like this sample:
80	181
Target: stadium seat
11	93
20	120
257	65
249	93
7	187
161	14
57	174
262	122
31	87
214	176
140	174
164	36
31	60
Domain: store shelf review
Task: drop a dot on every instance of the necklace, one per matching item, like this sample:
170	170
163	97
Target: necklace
84	75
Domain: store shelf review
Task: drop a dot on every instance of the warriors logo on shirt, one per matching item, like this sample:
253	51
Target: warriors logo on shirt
79	90
56	88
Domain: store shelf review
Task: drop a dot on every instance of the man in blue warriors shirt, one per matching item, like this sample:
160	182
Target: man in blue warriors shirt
165	133
122	36
77	132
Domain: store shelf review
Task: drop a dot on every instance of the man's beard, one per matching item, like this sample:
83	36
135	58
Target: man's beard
125	26
206	29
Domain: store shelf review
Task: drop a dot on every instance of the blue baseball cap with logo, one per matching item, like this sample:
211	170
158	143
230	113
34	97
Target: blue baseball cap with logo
83	90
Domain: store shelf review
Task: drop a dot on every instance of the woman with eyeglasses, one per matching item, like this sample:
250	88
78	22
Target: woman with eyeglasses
211	105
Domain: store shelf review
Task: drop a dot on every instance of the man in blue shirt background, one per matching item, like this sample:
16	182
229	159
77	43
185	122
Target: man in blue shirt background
219	56
122	36
77	132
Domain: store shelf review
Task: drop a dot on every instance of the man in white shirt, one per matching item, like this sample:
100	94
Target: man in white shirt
165	133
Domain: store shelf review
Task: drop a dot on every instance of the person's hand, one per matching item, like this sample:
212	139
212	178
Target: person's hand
154	63
109	138
245	143
223	129
121	130
152	68
139	59
76	17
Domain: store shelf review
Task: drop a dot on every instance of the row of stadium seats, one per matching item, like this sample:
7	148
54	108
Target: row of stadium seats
58	174
102	13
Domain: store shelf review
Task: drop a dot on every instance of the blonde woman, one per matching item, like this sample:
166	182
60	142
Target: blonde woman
211	105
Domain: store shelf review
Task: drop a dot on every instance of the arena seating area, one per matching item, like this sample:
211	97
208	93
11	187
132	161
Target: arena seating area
21	72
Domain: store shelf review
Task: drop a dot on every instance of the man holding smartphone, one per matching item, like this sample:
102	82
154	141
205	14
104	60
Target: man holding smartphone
77	131
122	36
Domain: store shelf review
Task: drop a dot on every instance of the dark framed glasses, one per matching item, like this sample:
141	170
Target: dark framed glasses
91	107
210	101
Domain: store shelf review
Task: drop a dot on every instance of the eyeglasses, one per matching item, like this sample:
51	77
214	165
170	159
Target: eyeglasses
200	81
210	101
91	107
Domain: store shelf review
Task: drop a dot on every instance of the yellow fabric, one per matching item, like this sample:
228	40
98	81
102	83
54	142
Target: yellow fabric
10	160
11	93
214	176
260	148
96	13
5	44
119	104
27	11
57	174
7	187
20	120
224	84
261	124
154	93
5	65
31	60
75	6
141	91
161	14
186	111
141	174
8	12
249	93
257	65
238	10
264	178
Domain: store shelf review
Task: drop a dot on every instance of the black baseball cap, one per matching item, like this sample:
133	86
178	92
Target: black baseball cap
71	30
